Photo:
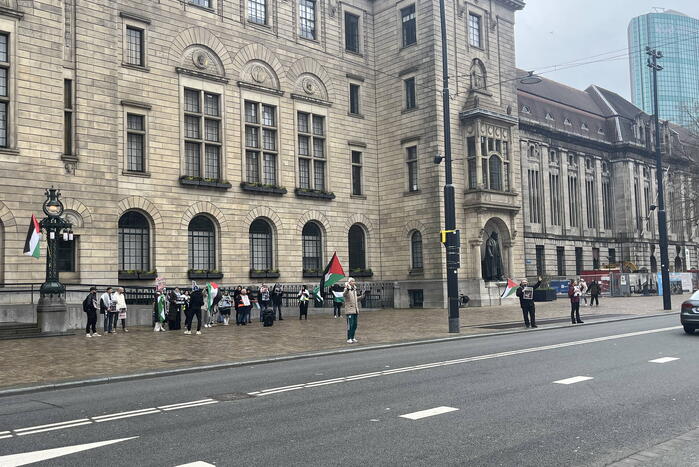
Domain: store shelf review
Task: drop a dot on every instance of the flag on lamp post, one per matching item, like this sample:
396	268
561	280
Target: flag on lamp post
33	241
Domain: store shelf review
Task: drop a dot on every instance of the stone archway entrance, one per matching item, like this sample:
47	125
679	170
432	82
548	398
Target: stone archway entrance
496	250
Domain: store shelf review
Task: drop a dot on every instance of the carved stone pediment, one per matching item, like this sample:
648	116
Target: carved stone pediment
259	73
311	86
201	59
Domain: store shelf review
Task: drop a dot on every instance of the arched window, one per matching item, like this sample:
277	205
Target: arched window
261	245
495	172
416	250
134	242
357	247
202	244
312	240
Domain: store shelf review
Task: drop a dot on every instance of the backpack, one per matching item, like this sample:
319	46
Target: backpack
86	303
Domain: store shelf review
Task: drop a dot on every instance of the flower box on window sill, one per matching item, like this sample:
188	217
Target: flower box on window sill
200	274
131	275
263	188
317	194
264	274
361	273
205	182
312	273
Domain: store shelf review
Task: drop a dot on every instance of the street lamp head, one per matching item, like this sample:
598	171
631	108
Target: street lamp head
438	159
53	206
652	207
531	78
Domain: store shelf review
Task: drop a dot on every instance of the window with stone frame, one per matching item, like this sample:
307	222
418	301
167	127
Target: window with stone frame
474	30
202	244
311	150
471	162
495	162
261	147
68	117
202	3
312	245
354	99
356	240
540	260
66	255
307	19
135	142
561	260
357	168
351	32
637	203
257	11
573	203
595	259
4	89
607	203
535	204
579	265
647	197
416	250
135	46
555	198
261	241
408	25
410	93
202	134
411	161
591	201
134	242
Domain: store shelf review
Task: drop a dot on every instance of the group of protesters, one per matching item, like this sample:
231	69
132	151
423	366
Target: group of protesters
211	306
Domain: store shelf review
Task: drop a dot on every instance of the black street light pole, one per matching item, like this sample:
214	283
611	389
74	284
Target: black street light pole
662	216
452	236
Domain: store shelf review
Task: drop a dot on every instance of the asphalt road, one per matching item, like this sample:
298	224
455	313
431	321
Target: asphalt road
499	401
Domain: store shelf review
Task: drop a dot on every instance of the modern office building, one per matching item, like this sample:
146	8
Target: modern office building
677	36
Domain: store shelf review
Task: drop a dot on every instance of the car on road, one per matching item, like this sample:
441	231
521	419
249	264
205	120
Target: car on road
689	315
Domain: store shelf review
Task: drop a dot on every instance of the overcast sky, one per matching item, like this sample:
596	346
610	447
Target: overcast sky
553	32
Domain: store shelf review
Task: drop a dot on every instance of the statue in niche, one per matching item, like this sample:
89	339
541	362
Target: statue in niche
492	261
477	76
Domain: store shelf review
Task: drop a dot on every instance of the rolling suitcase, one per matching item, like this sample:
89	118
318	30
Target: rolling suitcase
267	317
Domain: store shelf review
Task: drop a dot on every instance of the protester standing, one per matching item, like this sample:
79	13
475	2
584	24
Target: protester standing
303	297
263	298
120	309
526	301
583	290
160	308
224	308
574	295
277	296
196	301
338	299
351	309
106	306
90	308
246	306
594	292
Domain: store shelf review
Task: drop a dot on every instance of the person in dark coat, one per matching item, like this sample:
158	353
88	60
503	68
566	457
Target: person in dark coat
526	302
276	297
174	317
90	306
574	295
338	299
196	301
303	296
594	292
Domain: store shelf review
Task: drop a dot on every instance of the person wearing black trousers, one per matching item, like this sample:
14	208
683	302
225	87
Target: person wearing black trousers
526	302
195	303
90	308
277	295
303	296
574	295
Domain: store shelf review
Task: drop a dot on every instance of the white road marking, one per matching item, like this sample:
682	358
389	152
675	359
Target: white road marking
573	380
126	415
25	458
429	413
375	374
189	406
197	464
5	436
4	432
118	414
184	403
663	360
51	424
60	427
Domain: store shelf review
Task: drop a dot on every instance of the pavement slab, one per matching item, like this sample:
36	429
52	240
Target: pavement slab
36	361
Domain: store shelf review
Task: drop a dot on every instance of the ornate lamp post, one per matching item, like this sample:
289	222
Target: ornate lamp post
51	309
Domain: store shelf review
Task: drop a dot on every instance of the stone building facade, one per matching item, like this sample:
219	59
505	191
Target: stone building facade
589	183
245	141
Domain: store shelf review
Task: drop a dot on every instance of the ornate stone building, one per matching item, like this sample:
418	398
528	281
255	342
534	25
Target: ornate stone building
589	183
247	140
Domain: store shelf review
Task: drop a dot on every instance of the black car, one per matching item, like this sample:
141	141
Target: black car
689	316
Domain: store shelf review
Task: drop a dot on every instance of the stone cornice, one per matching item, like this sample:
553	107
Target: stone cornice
256	87
514	4
12	13
199	74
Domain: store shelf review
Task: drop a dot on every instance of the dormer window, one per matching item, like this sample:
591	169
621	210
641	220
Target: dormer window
566	122
588	164
549	117
526	110
584	127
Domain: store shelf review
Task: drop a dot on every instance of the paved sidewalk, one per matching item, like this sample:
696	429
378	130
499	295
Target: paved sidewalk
26	362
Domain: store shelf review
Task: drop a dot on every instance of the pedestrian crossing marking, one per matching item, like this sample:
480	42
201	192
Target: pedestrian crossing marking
429	413
573	380
663	360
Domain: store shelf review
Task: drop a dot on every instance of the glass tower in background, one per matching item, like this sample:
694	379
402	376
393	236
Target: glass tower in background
677	36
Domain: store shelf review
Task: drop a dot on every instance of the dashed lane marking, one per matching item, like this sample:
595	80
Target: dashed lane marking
573	380
429	413
663	360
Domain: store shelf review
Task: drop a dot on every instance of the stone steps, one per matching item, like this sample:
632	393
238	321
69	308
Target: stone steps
19	330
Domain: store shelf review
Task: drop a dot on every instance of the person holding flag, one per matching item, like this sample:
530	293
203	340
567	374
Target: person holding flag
212	299
333	272
159	308
526	300
338	300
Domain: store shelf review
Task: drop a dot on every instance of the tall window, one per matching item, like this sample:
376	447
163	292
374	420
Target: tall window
534	197
134	242
357	173
495	173
202	244
134	46
555	199
307	18
648	201
474	30
411	160
311	134
257	11
573	205
561	260
202	133
591	199
410	100
356	240
416	250
261	245
65	255
612	256
595	259
578	260
4	89
261	143
351	32
540	260
471	151
607	203
407	15
354	99
135	143
637	204
204	3
312	240
68	116
495	162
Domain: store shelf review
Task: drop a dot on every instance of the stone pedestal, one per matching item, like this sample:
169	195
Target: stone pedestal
52	314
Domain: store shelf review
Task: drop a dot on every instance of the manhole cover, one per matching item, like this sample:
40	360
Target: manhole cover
231	396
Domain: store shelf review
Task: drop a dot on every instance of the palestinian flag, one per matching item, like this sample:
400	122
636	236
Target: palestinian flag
338	296
510	289
212	289
161	308
333	272
31	244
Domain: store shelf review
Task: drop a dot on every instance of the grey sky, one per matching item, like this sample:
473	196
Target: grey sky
553	32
